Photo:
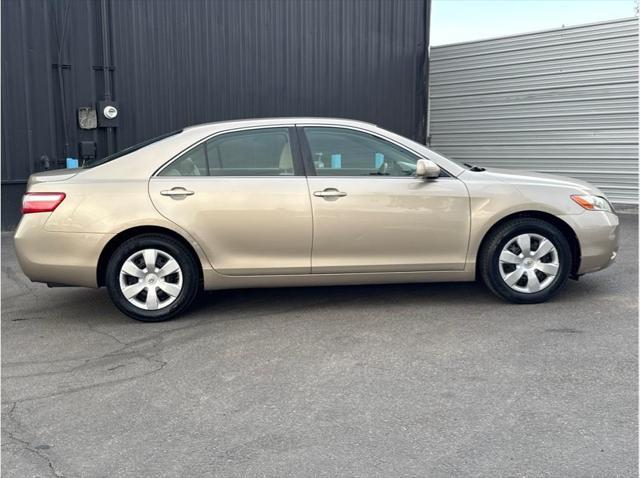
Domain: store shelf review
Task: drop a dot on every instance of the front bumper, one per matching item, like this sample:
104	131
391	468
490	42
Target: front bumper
597	233
65	258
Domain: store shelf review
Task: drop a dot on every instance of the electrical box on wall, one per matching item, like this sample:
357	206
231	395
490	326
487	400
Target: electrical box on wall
87	118
87	150
108	114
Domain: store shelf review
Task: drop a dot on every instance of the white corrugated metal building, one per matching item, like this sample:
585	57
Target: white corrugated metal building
561	101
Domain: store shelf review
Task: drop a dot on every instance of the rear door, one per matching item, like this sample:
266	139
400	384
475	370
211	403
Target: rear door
372	214
243	197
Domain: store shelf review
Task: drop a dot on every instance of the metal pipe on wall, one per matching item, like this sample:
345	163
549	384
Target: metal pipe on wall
60	67
106	67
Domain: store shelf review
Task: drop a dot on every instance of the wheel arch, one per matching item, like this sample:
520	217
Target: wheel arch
565	228
122	236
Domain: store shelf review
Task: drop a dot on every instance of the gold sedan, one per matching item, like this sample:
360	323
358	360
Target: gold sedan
302	202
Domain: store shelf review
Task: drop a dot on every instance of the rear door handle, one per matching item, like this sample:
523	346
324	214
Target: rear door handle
177	192
329	193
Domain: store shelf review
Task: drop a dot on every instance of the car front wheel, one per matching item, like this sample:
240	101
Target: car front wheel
525	260
152	277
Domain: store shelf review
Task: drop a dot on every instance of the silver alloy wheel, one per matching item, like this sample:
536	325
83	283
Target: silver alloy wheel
151	279
529	263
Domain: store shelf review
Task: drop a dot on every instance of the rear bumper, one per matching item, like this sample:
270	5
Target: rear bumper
597	232
68	258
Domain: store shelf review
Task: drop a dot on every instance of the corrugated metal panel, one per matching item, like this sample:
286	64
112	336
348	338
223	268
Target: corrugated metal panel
177	63
560	101
251	58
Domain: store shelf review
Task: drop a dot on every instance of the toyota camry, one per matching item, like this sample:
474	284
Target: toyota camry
303	202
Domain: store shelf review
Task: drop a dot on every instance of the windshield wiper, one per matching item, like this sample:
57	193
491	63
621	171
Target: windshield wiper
474	168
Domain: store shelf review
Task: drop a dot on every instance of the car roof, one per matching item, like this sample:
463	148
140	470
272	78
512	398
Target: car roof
240	123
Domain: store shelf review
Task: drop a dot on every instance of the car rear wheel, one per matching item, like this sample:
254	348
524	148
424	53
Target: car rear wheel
525	261
152	277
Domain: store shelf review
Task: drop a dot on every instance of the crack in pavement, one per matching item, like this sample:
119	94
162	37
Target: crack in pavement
148	350
26	445
159	336
71	390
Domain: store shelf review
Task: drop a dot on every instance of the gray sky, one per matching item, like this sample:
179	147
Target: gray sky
454	21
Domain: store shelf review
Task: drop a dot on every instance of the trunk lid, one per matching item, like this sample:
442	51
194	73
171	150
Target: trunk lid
51	176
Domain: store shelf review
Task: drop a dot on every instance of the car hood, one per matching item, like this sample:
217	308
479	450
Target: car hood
531	178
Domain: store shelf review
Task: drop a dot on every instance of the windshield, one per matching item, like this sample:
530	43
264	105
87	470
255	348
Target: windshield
98	161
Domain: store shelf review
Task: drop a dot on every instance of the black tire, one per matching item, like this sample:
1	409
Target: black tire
190	276
497	239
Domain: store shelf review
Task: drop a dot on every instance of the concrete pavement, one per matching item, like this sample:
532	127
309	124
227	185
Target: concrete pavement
433	380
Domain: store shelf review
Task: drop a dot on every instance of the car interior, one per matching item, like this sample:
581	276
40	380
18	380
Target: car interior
263	153
350	153
268	153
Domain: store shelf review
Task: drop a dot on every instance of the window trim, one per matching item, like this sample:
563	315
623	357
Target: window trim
130	149
310	169
298	167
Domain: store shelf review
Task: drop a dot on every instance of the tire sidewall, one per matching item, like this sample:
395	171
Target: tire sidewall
507	234
190	277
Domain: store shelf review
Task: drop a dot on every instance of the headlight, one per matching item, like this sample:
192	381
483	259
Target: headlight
592	203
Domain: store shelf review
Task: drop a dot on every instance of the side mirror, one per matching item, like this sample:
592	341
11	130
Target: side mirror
427	169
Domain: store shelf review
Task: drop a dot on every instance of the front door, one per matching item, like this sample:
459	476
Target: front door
370	212
243	197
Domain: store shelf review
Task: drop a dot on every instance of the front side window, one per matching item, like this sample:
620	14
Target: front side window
344	152
264	152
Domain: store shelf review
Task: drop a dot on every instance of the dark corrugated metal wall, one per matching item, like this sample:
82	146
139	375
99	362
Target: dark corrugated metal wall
176	63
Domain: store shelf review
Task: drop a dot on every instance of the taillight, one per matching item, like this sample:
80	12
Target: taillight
41	202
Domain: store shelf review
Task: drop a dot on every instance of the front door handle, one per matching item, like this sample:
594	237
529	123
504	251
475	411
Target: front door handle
177	192
329	193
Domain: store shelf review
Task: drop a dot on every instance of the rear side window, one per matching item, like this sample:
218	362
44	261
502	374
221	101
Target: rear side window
263	152
98	161
191	163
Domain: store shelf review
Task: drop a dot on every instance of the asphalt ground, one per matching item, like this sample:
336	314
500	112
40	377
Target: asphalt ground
434	380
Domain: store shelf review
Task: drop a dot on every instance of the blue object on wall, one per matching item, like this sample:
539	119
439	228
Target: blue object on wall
72	163
336	161
379	160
